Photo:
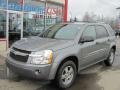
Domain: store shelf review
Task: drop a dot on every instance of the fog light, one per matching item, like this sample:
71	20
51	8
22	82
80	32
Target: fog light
37	72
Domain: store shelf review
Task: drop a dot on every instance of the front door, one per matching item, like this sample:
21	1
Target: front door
14	26
88	49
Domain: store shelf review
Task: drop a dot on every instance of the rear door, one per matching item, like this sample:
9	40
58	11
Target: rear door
102	42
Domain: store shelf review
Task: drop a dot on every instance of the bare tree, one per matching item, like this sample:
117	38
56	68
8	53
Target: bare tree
89	17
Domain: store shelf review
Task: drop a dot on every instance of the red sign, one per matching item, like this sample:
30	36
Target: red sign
54	11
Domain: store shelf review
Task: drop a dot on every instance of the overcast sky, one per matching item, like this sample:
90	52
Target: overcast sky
99	7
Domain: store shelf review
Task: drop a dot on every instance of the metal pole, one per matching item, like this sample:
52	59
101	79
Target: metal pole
45	14
7	27
65	11
22	18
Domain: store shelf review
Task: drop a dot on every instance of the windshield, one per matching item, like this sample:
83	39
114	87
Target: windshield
62	31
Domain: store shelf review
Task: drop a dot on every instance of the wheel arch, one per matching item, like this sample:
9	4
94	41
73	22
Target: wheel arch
69	58
113	47
56	66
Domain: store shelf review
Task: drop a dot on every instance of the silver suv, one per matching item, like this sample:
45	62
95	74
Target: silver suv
61	52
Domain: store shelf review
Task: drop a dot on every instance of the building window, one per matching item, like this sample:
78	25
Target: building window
15	5
2	24
34	6
33	24
3	4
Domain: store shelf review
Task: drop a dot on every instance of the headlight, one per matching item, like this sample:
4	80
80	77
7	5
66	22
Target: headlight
42	57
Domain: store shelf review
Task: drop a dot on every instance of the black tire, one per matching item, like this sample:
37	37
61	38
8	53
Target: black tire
110	61
59	81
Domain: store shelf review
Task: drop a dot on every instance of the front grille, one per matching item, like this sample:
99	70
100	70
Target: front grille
19	55
23	51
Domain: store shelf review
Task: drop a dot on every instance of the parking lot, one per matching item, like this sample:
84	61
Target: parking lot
98	77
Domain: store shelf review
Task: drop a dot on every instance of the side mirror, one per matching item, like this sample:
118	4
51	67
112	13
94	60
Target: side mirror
86	39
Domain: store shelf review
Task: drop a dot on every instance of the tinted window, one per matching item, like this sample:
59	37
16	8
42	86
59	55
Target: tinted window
90	31
62	31
101	32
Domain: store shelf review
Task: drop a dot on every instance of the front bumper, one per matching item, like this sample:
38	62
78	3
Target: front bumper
27	70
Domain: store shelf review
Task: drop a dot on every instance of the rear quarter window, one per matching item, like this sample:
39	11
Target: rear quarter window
112	32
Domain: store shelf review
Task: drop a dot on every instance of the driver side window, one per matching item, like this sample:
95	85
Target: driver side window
89	32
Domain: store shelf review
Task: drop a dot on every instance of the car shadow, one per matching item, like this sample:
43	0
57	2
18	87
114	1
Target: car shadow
83	82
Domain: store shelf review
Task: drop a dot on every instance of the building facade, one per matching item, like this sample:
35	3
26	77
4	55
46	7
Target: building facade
22	18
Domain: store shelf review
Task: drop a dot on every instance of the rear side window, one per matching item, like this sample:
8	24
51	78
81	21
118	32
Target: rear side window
89	31
101	32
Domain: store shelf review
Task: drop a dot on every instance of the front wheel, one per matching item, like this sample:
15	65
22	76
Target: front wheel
111	58
66	75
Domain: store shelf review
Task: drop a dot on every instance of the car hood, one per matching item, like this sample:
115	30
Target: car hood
37	44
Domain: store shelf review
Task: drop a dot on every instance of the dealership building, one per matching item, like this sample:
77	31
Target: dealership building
22	18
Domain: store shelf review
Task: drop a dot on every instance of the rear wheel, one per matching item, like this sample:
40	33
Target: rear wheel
66	75
111	58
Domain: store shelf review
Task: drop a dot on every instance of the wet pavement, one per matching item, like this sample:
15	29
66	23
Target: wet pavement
97	77
83	82
2	68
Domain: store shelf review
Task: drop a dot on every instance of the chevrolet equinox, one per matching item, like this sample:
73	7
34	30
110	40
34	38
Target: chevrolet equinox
61	52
